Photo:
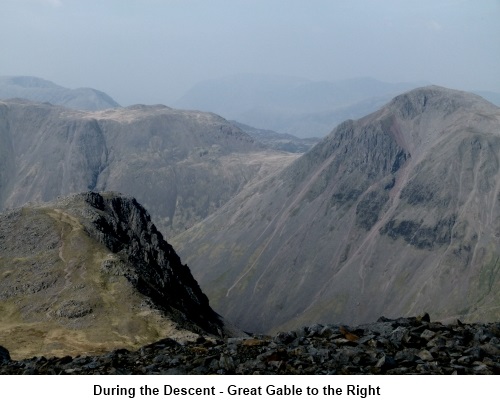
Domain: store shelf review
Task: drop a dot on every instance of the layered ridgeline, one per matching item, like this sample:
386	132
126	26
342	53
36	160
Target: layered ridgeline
293	105
36	89
393	214
90	273
181	165
277	141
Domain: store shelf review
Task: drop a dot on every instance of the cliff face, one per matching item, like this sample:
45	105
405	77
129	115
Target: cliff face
90	273
125	228
393	214
181	165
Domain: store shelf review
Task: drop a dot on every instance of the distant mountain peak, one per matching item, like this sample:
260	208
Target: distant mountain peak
30	82
437	98
394	213
37	89
300	107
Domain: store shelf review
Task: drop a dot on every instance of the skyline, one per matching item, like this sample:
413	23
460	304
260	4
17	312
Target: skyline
153	51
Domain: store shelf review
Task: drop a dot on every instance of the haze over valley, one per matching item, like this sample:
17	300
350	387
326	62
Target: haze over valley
289	190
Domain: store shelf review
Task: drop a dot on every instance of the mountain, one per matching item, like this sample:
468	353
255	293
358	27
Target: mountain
277	141
36	89
181	165
491	96
394	214
296	106
90	273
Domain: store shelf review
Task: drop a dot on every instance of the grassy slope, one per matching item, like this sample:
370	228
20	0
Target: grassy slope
61	293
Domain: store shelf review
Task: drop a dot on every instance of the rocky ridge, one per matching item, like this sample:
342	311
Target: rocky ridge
389	346
90	272
125	228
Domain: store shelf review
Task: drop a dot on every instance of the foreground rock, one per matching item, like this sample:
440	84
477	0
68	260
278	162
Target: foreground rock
401	346
90	273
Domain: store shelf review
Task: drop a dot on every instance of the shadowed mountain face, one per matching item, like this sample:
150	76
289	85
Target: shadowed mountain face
182	165
36	89
393	214
90	273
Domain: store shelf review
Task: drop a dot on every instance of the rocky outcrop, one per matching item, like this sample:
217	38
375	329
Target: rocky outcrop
125	228
389	346
4	355
90	273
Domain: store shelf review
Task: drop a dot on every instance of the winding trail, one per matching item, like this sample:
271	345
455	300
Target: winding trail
66	237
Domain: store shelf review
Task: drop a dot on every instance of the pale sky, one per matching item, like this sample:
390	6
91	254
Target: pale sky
152	51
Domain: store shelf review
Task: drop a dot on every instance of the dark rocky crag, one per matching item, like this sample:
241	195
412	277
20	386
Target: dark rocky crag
388	346
89	273
125	228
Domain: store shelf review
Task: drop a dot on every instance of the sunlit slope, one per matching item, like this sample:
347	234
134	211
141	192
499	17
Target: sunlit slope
89	274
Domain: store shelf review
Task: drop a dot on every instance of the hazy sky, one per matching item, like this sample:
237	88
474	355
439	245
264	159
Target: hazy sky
152	51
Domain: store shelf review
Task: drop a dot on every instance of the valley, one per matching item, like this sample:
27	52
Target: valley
394	214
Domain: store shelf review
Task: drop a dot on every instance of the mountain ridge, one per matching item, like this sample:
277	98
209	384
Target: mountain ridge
89	273
362	223
182	165
278	141
37	89
301	107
